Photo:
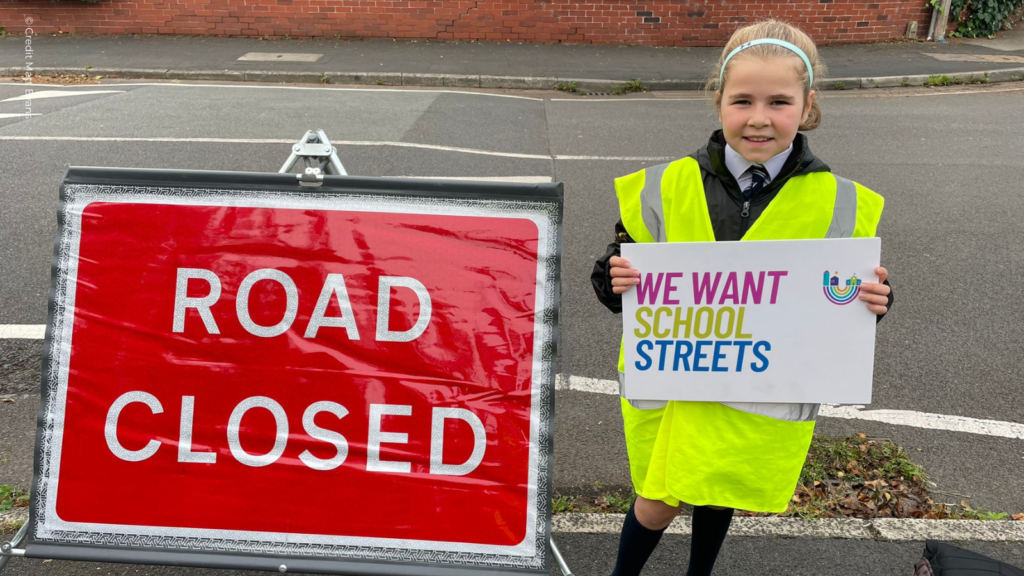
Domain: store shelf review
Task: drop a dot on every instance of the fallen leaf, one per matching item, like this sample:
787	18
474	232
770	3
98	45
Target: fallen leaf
1018	516
862	436
9	400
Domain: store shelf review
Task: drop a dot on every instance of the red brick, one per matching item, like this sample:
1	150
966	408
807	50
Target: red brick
683	23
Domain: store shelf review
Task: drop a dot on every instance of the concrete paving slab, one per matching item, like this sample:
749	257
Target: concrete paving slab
278	57
1007	40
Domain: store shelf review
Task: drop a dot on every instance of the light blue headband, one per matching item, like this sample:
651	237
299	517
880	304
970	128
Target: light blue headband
783	43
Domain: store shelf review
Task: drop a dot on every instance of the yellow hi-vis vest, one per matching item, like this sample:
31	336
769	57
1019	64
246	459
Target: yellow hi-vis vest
739	455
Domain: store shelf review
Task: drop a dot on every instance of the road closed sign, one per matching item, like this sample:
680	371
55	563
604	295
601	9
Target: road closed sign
353	378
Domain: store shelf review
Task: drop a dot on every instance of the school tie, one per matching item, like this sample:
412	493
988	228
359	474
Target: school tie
758	176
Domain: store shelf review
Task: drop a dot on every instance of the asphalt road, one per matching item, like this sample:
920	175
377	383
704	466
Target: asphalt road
948	164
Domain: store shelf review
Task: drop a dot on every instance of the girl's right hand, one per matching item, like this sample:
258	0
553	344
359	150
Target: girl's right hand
623	277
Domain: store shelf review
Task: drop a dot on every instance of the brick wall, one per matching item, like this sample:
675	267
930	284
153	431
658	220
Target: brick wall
651	23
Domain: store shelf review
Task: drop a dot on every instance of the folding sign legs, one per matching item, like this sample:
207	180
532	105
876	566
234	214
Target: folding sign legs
558	559
9	549
319	156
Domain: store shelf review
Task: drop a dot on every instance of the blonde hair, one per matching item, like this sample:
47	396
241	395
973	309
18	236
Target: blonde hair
780	31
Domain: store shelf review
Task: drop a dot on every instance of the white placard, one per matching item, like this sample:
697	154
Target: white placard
769	321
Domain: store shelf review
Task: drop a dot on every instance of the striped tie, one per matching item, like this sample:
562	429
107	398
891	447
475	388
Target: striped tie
758	178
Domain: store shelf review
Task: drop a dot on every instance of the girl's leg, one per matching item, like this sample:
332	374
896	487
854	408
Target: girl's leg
710	525
645	523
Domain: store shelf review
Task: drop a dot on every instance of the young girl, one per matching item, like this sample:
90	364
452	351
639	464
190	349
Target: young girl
756	179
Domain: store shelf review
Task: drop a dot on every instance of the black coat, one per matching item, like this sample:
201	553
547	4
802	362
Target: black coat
725	205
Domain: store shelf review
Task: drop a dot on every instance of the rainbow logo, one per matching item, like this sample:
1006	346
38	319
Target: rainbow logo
837	294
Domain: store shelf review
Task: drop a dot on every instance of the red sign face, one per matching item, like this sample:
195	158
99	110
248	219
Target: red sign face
296	371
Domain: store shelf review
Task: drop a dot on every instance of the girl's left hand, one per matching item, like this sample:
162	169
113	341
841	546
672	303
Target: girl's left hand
876	296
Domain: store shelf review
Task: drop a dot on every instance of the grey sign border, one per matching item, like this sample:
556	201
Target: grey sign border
542	198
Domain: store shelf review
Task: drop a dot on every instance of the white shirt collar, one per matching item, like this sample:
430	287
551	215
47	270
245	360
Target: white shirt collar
737	164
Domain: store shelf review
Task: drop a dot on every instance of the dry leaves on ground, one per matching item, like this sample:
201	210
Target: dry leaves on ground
63	79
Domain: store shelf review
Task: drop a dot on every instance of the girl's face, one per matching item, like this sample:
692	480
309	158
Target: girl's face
762	106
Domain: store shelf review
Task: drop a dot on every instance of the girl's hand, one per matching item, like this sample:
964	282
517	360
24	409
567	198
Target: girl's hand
876	295
624	277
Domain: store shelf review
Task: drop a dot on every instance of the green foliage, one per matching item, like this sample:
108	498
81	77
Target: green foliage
938	80
619	503
636	85
607	501
2	31
325	78
979	18
992	515
562	504
856	460
968	513
566	87
11	497
840	85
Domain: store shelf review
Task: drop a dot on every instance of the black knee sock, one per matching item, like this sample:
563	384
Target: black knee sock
709	529
635	546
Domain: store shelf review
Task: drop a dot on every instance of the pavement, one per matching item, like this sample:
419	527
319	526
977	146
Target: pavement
949	351
595	69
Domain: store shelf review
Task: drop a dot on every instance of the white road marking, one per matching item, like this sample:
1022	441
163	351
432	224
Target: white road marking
443	149
22	331
624	158
59	94
514	179
892	529
870	93
929	421
610	387
337	143
276	141
586	99
407	89
909	418
26	115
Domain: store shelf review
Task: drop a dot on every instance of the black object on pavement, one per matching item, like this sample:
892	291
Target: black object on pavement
941	559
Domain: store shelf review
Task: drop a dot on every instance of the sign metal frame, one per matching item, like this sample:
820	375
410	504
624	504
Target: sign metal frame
544	201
